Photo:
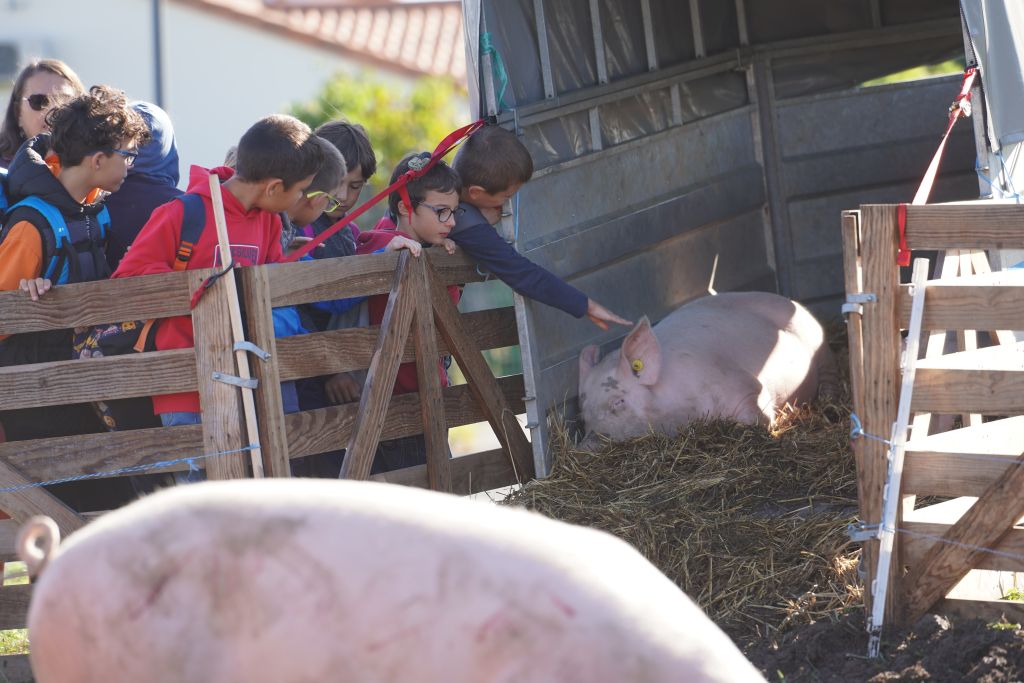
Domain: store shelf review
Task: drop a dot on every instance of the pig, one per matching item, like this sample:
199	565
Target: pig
289	581
740	355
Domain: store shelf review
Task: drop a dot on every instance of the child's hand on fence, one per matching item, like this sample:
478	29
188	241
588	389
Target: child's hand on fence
342	388
448	245
398	242
601	316
36	288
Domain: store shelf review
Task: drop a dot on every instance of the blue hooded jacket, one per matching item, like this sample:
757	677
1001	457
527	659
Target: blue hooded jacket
151	182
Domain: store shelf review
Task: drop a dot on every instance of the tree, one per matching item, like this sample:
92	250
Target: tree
398	121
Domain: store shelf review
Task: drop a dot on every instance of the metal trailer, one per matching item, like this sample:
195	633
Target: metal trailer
681	144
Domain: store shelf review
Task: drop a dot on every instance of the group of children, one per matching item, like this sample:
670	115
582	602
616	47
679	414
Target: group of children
282	185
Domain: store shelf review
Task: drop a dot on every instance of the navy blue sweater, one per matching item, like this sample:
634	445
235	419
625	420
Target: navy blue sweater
481	242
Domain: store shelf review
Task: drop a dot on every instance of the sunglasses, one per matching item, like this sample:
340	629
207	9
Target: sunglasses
128	154
332	202
38	102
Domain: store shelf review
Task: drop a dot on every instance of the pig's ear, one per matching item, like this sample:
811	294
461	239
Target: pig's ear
589	357
641	355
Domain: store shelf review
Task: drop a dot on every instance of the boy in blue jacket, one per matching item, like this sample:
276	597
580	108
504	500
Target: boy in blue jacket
493	165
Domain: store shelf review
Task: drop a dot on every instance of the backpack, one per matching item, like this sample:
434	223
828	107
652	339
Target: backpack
136	335
58	250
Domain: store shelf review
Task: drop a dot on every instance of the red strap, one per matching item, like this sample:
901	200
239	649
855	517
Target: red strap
903	255
445	146
961	108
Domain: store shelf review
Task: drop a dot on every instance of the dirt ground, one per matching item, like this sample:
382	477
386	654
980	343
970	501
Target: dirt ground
936	650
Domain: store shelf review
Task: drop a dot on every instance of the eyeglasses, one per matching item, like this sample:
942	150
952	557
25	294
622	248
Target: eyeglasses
444	213
332	202
128	154
38	102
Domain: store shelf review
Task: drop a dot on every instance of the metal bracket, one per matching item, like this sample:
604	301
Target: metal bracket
860	532
855	302
251	348
250	383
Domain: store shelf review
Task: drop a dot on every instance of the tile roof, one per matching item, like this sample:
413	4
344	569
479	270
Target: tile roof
423	38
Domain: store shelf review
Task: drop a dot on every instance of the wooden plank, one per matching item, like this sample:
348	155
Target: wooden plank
95	303
47	459
14	606
380	378
481	382
16	669
948	474
318	431
1000	357
852	278
951	391
81	381
229	284
963	307
435	428
992	611
881	370
33	500
982	526
323	353
471	474
269	404
920	538
349	276
221	403
8	540
989	226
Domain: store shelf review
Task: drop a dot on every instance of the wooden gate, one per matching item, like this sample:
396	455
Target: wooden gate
937	545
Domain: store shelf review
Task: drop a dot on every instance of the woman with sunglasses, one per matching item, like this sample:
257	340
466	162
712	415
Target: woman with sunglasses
36	89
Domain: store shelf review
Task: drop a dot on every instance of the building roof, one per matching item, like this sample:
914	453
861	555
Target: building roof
418	39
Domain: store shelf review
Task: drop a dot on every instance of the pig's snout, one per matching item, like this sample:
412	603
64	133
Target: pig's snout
38	539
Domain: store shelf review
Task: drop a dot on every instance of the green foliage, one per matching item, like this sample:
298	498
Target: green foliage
1015	594
952	66
398	121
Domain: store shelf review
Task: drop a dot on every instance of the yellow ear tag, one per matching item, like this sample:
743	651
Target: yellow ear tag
637	365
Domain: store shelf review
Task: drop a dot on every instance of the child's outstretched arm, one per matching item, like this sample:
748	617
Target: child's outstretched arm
487	248
601	316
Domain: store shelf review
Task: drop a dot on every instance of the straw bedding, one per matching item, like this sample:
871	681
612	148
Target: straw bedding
749	522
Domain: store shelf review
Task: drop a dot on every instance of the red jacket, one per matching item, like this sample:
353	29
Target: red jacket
255	237
367	243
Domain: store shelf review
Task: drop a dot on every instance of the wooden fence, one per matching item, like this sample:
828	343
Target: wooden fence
937	545
420	322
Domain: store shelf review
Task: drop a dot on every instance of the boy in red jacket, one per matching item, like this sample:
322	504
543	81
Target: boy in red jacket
276	161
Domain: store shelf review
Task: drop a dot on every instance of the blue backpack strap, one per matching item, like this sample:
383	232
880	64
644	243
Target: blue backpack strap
193	221
103	218
4	203
58	226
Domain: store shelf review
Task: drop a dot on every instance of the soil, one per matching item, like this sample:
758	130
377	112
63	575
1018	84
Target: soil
936	650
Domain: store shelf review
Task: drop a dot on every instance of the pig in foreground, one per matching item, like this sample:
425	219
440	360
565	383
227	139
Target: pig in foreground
290	581
740	355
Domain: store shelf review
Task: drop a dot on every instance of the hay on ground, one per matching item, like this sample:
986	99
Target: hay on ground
750	523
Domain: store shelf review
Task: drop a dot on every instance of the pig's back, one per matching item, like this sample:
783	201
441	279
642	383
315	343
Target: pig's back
286	580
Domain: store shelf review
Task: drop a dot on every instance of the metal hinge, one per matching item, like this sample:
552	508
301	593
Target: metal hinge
250	383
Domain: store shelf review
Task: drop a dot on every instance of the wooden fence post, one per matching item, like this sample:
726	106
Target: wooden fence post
481	382
380	378
269	405
881	351
435	426
221	403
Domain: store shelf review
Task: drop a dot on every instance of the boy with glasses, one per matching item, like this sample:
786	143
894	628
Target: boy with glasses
55	232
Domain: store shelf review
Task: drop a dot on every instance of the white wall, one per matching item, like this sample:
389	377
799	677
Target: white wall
219	76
